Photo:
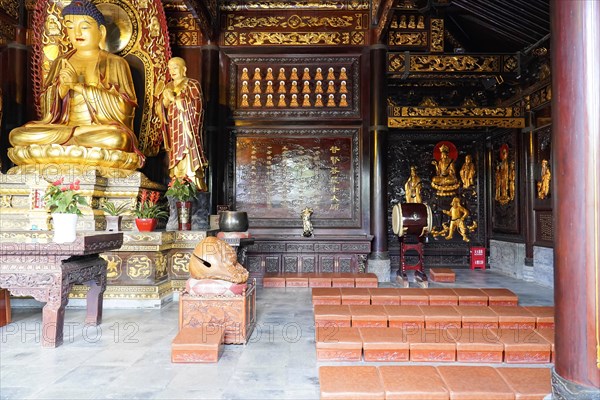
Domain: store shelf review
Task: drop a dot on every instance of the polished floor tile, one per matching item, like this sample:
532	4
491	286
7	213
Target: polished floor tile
128	356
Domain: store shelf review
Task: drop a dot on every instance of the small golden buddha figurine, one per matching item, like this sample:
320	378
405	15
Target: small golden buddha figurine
306	101
319	101
294	74
444	181
306	87
343	88
467	172
245	101
294	88
457	214
306	74
281	76
330	74
294	102
88	98
257	102
282	88
330	87
281	102
413	186
331	101
269	88
269	102
343	73
245	87
257	76
319	74
257	87
245	76
343	101
319	87
543	186
269	75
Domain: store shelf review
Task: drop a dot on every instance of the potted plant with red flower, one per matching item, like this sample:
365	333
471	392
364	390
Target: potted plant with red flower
63	201
148	211
183	190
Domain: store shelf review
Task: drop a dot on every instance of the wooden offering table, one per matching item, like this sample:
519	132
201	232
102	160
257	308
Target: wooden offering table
32	265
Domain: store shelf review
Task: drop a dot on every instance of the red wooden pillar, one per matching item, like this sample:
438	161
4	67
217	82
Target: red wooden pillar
575	27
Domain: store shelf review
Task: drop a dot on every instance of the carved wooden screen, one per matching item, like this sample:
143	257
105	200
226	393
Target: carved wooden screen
278	172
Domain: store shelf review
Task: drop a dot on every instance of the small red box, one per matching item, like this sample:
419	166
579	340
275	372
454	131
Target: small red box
477	257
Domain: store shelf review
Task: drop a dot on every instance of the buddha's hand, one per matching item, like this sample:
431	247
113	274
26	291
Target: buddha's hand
67	76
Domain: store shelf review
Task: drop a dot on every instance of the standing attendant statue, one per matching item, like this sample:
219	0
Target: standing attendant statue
467	172
307	226
181	111
412	187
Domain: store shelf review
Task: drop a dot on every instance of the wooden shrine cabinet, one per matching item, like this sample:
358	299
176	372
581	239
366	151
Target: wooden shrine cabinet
314	254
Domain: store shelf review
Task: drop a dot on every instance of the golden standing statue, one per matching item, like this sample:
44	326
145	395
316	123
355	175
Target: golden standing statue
88	99
543	186
444	181
505	178
412	187
467	172
457	214
182	113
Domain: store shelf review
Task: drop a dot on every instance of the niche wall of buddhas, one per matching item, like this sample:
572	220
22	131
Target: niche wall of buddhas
447	172
295	87
505	195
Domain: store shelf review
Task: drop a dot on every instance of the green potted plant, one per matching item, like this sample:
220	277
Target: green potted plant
183	190
147	213
63	201
113	214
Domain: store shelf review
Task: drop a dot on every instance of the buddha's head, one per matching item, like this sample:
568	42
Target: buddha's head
177	68
85	25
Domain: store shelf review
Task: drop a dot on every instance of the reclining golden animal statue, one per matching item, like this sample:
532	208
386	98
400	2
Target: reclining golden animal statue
215	259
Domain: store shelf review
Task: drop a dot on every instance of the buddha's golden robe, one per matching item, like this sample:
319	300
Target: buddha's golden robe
101	116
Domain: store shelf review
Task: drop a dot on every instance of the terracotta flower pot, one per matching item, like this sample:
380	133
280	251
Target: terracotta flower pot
146	224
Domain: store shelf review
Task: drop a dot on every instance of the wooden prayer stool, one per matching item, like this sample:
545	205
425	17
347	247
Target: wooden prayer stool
477	345
356	296
524	346
366	280
420	275
442	275
342	280
514	317
197	345
471	297
548	335
5	317
477	317
319	280
500	297
405	317
273	281
296	280
441	317
431	345
413	297
528	383
352	382
369	316
413	382
544	316
332	316
326	296
476	382
385	296
442	297
338	344
384	344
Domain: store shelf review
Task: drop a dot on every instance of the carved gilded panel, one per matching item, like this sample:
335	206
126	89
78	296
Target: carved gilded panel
292	29
184	29
280	171
320	5
436	30
505	184
292	87
7	33
10	7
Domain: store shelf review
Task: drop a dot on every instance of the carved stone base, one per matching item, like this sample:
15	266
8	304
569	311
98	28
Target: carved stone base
22	191
237	314
381	268
564	389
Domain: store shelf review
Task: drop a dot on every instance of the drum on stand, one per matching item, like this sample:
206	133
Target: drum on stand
411	219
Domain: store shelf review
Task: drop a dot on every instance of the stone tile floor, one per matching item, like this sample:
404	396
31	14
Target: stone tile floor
128	356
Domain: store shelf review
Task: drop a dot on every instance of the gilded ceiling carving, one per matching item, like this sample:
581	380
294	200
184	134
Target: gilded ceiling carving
241	5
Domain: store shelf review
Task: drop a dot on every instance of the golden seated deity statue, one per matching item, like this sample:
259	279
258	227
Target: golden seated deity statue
88	103
444	181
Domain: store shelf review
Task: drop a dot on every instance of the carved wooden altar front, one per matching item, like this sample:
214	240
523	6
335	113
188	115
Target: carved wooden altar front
35	266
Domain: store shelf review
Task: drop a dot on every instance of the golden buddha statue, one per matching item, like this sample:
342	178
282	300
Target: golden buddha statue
444	181
88	102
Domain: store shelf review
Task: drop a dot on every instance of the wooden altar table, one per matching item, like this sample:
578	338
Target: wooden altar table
32	265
